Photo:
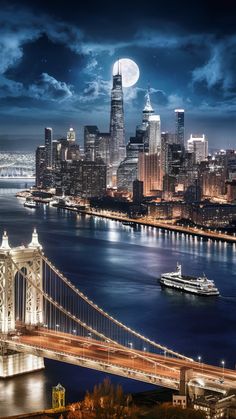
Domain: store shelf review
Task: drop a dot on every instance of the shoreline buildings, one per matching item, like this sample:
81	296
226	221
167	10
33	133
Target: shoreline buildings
158	166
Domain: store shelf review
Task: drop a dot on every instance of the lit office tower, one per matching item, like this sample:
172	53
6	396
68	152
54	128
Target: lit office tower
71	135
117	151
198	145
149	164
40	165
90	136
154	134
48	147
179	126
55	153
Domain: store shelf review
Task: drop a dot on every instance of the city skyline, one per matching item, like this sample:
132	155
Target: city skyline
56	68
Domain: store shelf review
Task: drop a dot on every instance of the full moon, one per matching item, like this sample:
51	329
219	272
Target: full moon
129	71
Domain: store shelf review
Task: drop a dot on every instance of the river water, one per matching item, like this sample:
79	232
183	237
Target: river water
117	267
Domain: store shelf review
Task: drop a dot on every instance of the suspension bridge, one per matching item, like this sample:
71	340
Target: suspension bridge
44	315
16	171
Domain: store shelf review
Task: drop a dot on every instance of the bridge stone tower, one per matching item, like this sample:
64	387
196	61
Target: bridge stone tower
27	260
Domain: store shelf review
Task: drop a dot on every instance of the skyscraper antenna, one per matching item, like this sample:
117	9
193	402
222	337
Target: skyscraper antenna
119	67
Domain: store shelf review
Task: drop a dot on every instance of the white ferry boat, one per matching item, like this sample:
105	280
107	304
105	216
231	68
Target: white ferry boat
196	285
30	203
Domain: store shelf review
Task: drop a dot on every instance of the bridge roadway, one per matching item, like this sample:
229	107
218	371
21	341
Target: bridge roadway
158	369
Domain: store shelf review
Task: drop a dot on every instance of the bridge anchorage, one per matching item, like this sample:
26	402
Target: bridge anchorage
44	315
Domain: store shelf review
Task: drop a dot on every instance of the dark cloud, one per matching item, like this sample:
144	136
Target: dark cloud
48	88
55	60
96	90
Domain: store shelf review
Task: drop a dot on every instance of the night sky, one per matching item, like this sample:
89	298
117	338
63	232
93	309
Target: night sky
56	60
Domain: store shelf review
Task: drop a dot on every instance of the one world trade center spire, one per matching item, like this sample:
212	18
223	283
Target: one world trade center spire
117	145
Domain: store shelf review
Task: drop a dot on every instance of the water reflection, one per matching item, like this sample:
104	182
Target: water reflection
118	267
23	394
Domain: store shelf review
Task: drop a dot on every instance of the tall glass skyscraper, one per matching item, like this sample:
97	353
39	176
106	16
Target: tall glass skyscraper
154	134
48	147
117	144
179	126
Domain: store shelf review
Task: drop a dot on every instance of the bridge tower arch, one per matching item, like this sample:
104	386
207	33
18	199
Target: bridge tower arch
13	260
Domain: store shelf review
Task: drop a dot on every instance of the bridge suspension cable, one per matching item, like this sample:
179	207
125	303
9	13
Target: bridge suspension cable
84	325
120	325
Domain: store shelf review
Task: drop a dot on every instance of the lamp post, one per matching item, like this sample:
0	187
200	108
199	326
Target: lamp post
155	366
57	327
223	368
199	360
131	347
108	351
144	350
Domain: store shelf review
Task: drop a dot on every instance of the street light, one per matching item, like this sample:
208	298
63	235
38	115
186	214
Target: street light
57	327
223	368
108	351
155	366
144	350
199	360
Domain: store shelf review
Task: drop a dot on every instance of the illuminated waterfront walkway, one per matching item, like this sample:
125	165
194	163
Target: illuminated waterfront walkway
145	221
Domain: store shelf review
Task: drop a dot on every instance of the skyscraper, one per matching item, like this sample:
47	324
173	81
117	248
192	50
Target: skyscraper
71	135
141	130
90	137
102	147
48	147
117	151
149	164
179	126
40	165
198	145
147	110
154	134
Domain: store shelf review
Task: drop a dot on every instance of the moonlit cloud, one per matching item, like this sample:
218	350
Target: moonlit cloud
57	65
176	101
95	90
219	69
47	87
10	88
211	72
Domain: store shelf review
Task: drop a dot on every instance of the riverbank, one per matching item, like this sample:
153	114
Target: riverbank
191	231
146	400
200	233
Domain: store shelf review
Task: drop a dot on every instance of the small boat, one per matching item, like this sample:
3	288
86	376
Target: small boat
30	203
200	285
129	223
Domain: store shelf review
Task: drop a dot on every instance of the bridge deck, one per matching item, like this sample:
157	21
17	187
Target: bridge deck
75	348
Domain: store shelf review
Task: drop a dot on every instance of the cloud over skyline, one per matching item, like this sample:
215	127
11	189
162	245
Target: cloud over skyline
58	63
